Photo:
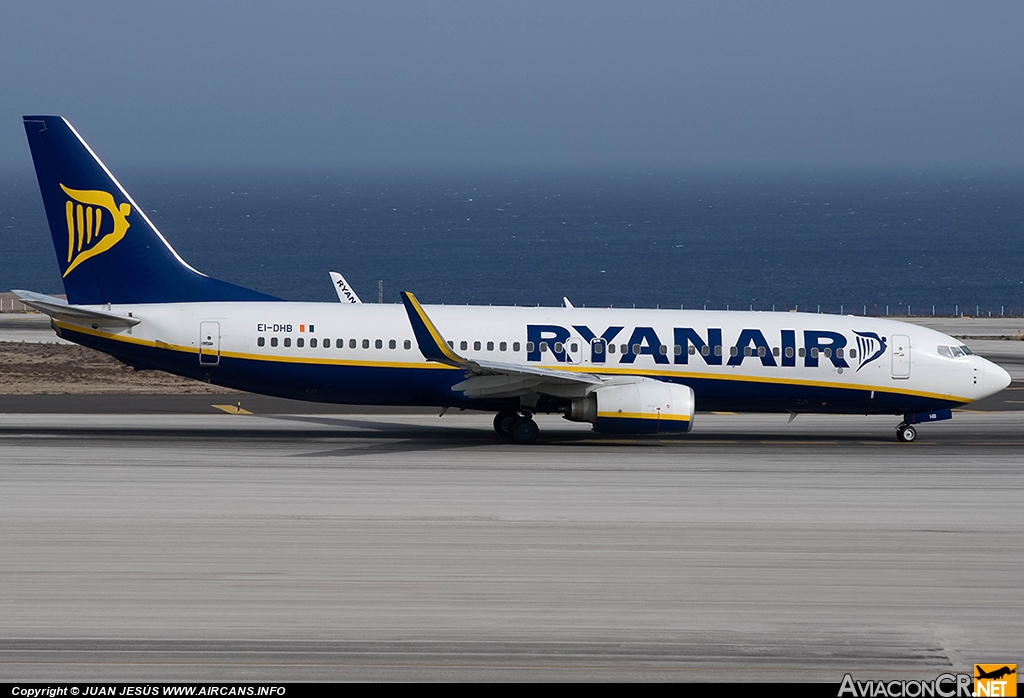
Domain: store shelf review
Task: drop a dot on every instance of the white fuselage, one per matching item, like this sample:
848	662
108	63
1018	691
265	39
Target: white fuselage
756	361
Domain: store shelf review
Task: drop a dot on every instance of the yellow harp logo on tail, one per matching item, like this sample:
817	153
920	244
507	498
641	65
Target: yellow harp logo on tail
89	234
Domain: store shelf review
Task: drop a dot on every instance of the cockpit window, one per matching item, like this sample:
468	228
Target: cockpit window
954	352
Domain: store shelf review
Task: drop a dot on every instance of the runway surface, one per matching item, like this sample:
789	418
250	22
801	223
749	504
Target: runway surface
397	546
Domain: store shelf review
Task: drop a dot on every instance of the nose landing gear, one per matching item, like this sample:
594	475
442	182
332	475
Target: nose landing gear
905	433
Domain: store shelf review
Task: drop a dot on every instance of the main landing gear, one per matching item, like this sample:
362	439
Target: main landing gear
519	427
905	433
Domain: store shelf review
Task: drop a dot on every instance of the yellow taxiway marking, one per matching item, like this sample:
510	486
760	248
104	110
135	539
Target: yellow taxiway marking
232	409
723	413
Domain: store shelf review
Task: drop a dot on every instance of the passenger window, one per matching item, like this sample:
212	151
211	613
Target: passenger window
503	346
543	347
803	351
574	347
392	344
814	352
515	346
273	341
828	352
761	351
677	349
611	348
704	350
747	351
733	351
789	353
299	342
529	347
853	353
366	344
718	350
261	341
663	350
287	341
407	344
378	344
636	348
559	347
944	351
490	346
327	344
476	346
839	352
775	351
463	345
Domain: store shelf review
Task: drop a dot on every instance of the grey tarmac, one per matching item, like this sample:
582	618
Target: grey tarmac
283	547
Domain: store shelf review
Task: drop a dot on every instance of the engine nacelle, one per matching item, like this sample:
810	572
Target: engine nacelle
646	406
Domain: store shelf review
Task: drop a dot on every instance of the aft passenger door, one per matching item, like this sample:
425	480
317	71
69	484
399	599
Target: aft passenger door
209	343
900	356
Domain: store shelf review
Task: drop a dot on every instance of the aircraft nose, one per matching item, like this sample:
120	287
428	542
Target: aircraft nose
996	378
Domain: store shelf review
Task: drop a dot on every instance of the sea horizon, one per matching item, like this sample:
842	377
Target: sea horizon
842	239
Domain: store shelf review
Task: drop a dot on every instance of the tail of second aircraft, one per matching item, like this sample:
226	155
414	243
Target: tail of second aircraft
108	249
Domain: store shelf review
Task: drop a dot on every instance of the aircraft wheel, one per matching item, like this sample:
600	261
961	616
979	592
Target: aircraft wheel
906	433
503	422
524	430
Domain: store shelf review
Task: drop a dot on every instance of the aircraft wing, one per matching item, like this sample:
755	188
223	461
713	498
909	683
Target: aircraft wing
490	378
58	309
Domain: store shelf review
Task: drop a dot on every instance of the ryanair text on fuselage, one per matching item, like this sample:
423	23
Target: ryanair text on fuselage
751	344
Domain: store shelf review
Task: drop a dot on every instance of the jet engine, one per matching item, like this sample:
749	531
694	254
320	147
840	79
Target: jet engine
644	406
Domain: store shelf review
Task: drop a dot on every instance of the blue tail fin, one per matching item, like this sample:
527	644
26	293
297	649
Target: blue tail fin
107	248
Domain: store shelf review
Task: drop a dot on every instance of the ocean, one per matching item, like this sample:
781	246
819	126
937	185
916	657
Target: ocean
838	242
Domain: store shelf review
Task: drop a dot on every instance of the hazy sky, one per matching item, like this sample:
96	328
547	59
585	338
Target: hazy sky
521	84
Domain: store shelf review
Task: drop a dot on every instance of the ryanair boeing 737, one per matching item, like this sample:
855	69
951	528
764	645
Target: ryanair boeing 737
130	295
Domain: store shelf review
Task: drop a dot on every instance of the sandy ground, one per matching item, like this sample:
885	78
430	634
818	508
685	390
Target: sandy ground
39	369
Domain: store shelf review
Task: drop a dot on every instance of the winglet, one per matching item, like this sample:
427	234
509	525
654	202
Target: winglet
431	343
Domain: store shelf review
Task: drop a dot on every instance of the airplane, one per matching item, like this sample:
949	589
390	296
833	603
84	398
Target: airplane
636	371
995	674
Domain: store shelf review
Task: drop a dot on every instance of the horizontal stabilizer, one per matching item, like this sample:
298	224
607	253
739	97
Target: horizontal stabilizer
58	309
